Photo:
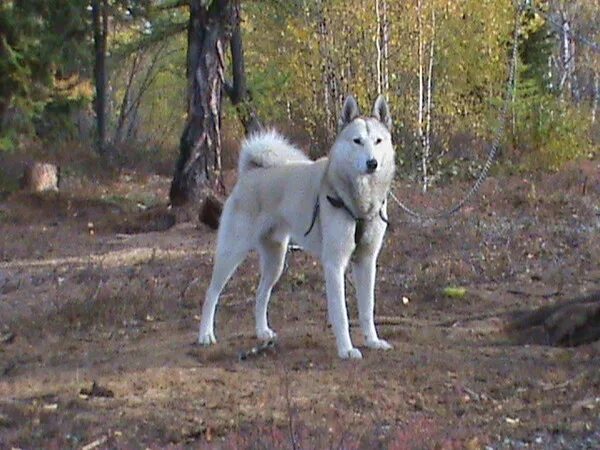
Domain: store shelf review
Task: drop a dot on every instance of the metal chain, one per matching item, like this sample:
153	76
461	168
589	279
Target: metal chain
495	143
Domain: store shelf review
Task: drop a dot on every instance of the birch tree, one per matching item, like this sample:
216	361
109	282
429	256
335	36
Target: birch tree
382	47
425	102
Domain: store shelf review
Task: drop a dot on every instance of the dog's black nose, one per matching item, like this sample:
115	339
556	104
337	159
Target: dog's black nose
371	165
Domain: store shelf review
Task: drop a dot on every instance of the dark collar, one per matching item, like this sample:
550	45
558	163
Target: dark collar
359	229
337	202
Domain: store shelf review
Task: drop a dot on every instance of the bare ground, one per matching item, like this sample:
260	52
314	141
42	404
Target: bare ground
81	303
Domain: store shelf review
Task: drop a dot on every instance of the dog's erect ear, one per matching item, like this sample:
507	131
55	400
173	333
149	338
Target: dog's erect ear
350	112
382	113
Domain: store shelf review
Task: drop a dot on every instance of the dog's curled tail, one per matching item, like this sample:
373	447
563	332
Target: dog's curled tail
268	149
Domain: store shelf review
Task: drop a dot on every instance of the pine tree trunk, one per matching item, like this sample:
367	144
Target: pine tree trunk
100	25
5	88
196	29
238	91
4	102
199	165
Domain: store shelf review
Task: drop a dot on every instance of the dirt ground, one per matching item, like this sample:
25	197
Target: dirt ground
81	303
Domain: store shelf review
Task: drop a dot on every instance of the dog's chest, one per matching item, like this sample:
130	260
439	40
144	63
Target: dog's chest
369	194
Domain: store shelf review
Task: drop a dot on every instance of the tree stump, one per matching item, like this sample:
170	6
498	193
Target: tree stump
40	177
210	213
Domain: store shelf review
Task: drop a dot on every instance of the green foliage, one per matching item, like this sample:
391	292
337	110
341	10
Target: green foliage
549	131
535	49
42	45
294	51
8	141
566	139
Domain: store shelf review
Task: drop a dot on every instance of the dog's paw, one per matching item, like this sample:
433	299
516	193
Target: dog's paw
266	334
353	353
206	338
379	344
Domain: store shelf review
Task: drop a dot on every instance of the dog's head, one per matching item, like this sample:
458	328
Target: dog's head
364	144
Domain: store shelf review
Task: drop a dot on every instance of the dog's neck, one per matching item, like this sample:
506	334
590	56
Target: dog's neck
363	194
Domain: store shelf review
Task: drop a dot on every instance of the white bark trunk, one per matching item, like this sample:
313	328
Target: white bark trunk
565	81
326	70
420	132
573	71
427	148
386	48
378	47
595	95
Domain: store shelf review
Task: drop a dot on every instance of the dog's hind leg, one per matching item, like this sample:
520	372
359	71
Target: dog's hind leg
231	251
272	258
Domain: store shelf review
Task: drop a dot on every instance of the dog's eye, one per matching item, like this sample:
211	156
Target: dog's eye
377	141
357	141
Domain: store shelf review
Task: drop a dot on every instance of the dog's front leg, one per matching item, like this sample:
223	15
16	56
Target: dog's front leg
363	271
336	308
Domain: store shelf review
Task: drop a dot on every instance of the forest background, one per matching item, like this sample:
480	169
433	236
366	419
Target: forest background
442	64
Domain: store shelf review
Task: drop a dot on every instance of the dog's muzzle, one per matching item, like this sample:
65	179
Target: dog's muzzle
371	165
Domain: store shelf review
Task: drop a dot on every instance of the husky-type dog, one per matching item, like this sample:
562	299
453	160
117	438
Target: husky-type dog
334	208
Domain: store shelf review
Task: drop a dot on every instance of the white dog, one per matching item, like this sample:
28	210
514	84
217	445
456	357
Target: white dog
335	208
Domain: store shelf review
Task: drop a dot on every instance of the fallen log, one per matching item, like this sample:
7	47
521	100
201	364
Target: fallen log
571	323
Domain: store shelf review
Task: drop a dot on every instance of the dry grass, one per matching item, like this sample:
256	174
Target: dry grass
123	311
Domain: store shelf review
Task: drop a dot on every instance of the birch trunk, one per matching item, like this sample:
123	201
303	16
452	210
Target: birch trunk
420	132
386	48
382	47
325	68
378	48
595	98
565	80
427	147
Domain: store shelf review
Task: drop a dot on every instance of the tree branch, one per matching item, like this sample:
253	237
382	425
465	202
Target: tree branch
174	5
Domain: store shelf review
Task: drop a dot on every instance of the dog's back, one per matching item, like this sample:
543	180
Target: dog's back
275	194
